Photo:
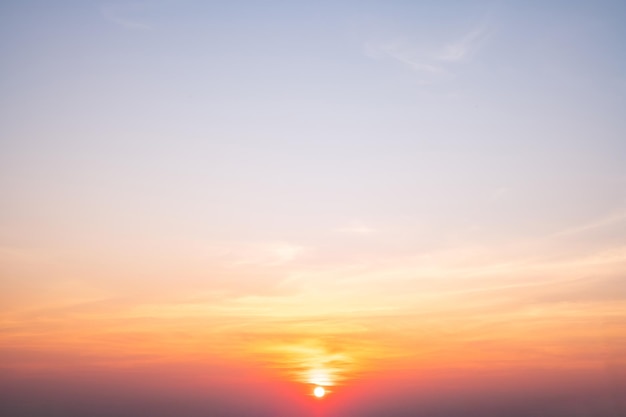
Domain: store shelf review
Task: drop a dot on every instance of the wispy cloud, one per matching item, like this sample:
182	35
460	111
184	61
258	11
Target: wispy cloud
125	15
464	47
499	193
430	60
259	254
608	221
402	51
357	228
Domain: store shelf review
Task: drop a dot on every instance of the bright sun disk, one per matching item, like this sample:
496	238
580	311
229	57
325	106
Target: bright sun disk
319	392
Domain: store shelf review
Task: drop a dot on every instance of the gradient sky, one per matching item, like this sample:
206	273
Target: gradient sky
211	207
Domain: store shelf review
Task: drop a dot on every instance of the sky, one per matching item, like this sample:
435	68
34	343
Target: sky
210	208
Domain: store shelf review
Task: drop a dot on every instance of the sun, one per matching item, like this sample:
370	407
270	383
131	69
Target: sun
319	392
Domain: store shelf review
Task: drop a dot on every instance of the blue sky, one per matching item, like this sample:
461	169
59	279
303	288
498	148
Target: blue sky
342	93
433	124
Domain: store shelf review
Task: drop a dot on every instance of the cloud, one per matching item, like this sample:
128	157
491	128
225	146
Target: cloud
402	51
602	223
500	193
310	361
259	254
357	228
433	61
284	252
464	47
125	15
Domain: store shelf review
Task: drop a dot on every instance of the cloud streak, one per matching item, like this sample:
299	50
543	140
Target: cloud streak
357	228
433	62
463	48
119	14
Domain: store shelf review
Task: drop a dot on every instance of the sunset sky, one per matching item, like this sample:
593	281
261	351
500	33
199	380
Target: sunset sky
210	208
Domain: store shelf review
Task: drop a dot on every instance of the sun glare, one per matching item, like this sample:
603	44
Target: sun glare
319	392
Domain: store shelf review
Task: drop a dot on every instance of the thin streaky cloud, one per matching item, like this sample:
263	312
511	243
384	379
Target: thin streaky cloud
433	61
499	193
118	14
610	220
357	228
260	254
464	47
402	52
404	56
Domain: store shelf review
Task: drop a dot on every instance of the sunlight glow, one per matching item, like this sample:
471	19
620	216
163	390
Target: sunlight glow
319	392
319	377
